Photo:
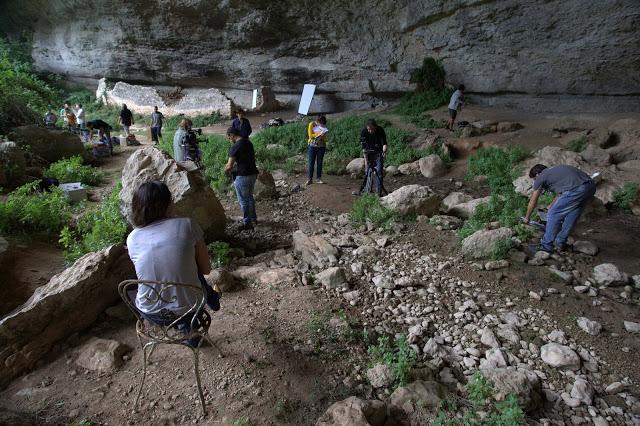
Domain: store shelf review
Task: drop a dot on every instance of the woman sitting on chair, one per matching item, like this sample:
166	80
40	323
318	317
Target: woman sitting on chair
169	250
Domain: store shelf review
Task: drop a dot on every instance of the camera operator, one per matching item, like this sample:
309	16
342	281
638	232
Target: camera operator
181	133
374	146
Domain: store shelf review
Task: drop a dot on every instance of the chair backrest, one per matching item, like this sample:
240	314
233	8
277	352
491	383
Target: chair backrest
158	290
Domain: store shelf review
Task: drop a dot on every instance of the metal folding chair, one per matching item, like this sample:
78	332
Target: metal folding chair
197	318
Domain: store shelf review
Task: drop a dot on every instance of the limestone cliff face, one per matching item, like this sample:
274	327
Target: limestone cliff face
580	47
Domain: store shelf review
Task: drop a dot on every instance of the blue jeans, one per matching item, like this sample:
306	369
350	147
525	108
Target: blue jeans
244	190
315	154
564	214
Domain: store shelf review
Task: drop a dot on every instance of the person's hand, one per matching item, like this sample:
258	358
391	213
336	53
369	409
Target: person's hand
525	220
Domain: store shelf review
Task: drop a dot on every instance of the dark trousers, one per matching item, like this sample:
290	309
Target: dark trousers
315	154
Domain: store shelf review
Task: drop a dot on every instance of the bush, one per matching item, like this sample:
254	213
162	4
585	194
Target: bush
203	120
578	145
28	210
24	97
399	356
414	105
96	230
220	253
481	408
624	197
368	209
430	76
72	170
500	249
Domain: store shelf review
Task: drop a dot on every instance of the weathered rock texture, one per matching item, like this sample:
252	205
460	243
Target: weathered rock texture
578	47
69	303
52	145
192	196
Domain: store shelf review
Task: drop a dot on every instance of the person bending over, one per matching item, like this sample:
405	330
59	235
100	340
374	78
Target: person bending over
374	141
317	142
166	249
242	124
241	166
573	188
97	125
455	105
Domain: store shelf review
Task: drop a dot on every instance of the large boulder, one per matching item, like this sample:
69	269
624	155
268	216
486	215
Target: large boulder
192	196
265	188
410	168
412	199
608	274
432	166
596	156
480	244
356	167
12	165
70	302
526	387
466	210
602	138
102	355
354	411
52	145
334	277
453	199
314	250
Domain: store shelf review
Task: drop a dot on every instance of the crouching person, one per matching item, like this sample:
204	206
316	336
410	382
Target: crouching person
573	188
167	249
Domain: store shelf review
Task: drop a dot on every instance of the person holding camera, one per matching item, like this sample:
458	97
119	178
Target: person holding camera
242	124
241	166
317	141
374	147
183	128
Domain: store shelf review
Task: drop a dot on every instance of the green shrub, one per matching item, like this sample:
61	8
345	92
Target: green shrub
368	208
500	249
220	253
398	355
28	210
202	120
72	170
96	230
624	197
429	76
413	106
578	144
481	409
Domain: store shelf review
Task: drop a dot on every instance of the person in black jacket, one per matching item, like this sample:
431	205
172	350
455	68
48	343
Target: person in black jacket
241	124
374	146
126	119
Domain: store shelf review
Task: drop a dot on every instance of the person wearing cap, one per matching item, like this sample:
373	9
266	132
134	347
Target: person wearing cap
241	166
573	188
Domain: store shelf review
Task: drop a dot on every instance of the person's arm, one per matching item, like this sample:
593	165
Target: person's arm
202	258
249	129
533	202
384	141
310	134
229	166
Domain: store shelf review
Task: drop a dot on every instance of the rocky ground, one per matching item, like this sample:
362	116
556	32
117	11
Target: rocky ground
311	292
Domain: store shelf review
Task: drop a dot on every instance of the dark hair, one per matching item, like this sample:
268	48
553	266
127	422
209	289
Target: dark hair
461	87
80	105
233	131
371	122
321	119
240	111
150	203
536	170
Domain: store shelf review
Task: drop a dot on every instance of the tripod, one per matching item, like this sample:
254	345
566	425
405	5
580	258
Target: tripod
371	173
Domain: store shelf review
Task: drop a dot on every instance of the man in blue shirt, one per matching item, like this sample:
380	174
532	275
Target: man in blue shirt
241	124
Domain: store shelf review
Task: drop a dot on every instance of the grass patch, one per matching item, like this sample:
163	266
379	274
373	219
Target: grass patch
369	209
500	249
505	205
28	210
578	144
397	355
220	253
72	170
624	197
480	409
414	106
95	230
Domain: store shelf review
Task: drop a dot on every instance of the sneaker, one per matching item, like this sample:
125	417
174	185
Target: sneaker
320	182
309	182
534	248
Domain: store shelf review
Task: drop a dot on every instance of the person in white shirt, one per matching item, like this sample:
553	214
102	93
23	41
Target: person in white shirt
80	117
166	249
455	104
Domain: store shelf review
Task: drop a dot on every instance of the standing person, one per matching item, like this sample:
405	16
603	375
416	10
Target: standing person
573	188
126	119
169	250
156	125
70	119
50	119
241	124
455	105
98	125
317	145
242	168
63	114
80	116
183	128
374	140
